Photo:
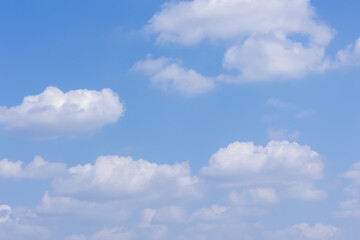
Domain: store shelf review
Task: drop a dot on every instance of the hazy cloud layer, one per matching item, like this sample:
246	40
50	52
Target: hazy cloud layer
169	74
38	168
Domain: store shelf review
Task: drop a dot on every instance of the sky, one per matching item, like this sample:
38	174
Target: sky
173	119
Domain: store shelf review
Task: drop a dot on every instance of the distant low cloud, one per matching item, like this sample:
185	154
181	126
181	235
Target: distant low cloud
287	165
304	231
38	168
54	113
169	74
114	176
12	228
351	206
350	55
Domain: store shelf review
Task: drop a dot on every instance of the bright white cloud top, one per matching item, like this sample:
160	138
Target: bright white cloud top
54	113
189	22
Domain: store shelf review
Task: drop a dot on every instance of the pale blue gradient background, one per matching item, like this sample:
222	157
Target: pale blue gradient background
94	44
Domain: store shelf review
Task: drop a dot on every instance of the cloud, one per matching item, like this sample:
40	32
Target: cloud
189	22
274	102
122	176
246	158
266	57
353	173
280	163
38	168
169	74
254	196
351	207
282	134
13	229
214	213
305	232
106	233
265	39
350	55
5	211
54	113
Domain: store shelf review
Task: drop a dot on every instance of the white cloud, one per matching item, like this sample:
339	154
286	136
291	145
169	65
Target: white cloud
54	113
5	211
170	214
169	74
305	232
350	55
120	176
254	196
278	164
269	38
282	134
75	237
246	158
189	22
61	206
353	173
349	208
274	102
112	234
13	228
304	191
259	58
38	168
213	213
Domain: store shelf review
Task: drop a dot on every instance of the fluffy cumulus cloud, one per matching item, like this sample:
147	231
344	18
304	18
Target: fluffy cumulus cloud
279	163
169	74
38	168
266	39
123	176
189	22
305	232
54	113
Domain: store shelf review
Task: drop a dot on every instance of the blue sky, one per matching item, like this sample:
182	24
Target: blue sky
199	119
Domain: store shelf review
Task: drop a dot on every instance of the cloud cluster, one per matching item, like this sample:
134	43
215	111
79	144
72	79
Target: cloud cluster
154	198
265	40
54	113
